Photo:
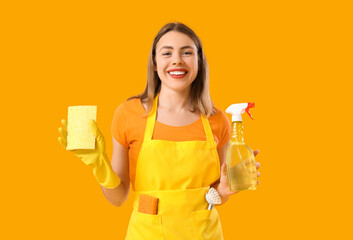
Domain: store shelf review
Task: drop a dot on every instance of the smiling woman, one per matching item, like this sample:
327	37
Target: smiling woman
176	157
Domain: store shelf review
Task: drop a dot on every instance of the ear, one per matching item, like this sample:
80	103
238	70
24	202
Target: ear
155	68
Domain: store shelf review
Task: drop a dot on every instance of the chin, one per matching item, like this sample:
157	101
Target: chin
176	87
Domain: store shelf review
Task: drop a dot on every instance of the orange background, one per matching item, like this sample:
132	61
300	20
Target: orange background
292	58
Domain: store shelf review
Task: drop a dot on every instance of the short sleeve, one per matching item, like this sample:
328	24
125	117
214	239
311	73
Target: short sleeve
225	127
118	128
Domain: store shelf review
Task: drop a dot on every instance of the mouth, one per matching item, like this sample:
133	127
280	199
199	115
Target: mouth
177	74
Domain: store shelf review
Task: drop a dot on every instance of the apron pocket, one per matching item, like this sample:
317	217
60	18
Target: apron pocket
207	225
144	226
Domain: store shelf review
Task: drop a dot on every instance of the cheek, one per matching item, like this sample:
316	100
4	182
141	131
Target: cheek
160	65
197	67
195	63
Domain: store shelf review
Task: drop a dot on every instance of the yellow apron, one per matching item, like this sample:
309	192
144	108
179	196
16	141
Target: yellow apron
179	174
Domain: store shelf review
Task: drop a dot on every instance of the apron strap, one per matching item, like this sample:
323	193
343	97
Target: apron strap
151	120
209	136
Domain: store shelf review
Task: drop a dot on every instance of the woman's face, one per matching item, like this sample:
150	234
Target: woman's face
176	60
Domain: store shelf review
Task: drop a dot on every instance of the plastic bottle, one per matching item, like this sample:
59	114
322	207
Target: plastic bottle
241	168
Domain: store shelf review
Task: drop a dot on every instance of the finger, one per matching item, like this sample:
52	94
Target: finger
62	141
64	122
257	165
97	134
224	169
63	132
256	152
258	182
258	174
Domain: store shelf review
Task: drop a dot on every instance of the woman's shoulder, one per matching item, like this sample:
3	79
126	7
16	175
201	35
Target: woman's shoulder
130	106
217	113
219	116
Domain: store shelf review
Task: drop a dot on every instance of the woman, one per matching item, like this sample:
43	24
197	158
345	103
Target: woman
169	142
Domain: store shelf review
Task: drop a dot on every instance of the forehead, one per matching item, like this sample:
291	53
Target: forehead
176	40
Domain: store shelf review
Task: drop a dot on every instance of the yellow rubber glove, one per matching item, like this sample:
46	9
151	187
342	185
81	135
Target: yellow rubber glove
96	158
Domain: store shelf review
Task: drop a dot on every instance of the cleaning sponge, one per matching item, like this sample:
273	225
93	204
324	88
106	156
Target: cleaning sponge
148	204
79	132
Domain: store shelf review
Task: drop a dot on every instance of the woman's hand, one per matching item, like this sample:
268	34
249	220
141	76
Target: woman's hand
88	156
96	158
223	187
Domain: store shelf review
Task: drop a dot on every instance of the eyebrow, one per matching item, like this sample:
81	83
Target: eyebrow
170	47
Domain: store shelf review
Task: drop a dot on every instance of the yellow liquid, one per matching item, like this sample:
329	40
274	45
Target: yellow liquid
241	168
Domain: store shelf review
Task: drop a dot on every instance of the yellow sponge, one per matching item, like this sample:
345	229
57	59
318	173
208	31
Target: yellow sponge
79	132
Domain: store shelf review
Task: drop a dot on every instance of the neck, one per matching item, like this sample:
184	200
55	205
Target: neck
174	101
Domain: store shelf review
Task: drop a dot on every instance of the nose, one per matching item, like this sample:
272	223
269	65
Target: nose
177	60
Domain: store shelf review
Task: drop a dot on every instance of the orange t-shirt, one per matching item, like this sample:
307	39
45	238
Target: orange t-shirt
128	128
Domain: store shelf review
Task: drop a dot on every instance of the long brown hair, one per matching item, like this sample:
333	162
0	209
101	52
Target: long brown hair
200	99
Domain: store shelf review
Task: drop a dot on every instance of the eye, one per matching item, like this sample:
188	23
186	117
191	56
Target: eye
188	53
165	53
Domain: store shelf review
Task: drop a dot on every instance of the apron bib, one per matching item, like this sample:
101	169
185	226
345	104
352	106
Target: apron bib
179	174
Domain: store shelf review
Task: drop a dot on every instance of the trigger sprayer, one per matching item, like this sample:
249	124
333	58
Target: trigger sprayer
238	109
241	169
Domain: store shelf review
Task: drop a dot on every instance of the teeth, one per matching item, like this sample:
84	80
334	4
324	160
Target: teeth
177	73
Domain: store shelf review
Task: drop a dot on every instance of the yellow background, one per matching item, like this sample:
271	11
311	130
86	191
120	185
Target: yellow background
292	58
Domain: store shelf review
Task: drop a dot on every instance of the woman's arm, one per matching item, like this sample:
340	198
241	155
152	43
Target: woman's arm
120	164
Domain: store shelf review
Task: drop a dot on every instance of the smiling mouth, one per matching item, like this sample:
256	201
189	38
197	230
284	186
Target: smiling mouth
177	73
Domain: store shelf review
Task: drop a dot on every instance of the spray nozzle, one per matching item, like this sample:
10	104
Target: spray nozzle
237	109
250	105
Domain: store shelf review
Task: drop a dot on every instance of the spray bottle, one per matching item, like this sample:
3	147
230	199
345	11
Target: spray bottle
241	169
